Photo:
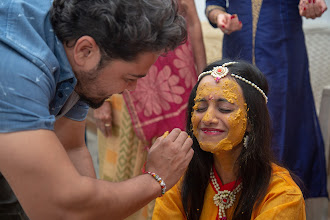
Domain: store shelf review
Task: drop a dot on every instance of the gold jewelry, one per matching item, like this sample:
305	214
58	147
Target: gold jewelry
245	142
220	72
223	199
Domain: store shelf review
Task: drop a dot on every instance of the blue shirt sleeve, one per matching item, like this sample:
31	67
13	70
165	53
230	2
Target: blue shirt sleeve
221	3
25	93
35	76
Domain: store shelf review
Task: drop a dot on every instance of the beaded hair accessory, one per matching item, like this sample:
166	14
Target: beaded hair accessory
220	72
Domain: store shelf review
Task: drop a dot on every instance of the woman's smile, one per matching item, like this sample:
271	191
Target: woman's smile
212	131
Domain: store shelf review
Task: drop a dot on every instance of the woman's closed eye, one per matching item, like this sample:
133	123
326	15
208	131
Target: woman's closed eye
221	108
225	107
225	110
200	107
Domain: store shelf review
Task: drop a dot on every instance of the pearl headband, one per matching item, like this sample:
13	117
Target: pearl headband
219	72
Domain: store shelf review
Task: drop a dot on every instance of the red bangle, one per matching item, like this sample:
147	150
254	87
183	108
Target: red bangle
159	180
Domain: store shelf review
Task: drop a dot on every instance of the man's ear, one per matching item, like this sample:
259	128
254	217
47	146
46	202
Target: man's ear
86	52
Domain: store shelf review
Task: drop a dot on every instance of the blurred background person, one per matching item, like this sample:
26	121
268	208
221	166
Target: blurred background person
270	35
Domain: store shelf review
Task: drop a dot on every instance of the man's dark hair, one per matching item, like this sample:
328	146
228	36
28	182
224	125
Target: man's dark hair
121	28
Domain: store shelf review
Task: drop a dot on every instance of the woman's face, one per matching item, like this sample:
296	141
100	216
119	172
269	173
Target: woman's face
219	116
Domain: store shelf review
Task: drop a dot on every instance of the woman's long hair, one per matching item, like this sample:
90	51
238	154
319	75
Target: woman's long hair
254	162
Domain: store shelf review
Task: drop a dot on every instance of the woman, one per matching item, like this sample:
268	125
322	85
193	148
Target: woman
232	174
269	34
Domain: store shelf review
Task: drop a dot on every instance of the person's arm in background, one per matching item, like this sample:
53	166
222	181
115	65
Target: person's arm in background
218	17
195	33
71	135
103	118
312	8
48	185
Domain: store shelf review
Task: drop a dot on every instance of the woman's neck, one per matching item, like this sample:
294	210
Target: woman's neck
225	164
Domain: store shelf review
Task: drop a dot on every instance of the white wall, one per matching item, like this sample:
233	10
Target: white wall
200	5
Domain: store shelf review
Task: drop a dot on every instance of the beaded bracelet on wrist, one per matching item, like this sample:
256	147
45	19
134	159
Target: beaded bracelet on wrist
159	180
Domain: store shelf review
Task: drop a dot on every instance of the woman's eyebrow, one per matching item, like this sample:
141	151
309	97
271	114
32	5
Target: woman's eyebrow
222	100
200	100
217	100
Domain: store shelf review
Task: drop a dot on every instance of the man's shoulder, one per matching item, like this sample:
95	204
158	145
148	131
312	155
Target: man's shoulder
26	28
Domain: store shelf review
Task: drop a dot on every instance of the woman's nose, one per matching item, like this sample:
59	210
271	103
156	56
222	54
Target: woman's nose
209	117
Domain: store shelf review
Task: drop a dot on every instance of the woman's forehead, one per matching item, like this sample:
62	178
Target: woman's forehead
227	88
228	84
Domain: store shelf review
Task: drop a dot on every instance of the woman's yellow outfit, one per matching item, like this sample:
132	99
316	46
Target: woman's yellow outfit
283	200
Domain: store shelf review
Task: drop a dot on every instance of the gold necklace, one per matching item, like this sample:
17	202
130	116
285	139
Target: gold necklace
223	199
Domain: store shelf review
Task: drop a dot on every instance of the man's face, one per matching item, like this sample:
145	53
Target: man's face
96	85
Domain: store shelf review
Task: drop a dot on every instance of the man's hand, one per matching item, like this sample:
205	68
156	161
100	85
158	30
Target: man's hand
312	8
169	157
103	118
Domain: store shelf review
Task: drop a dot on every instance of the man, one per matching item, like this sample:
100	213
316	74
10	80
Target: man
58	58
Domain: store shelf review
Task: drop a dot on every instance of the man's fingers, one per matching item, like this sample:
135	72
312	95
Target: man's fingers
107	130
189	156
186	147
173	135
181	138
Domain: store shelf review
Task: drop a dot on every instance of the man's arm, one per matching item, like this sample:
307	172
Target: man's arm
48	185
72	136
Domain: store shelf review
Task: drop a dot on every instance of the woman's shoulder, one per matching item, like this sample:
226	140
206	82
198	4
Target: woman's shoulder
282	181
283	199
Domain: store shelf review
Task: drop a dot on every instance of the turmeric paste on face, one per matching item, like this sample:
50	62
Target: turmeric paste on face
235	121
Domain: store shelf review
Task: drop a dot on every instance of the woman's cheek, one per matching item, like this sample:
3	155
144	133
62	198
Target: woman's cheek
194	121
237	123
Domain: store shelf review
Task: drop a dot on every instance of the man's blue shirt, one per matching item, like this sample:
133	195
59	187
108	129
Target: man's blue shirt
36	78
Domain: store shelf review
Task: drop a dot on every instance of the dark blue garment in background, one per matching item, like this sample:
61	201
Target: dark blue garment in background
272	38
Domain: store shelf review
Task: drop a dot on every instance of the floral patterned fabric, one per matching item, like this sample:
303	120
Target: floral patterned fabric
157	105
159	101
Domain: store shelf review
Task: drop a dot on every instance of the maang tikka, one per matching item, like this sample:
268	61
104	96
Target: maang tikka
219	72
